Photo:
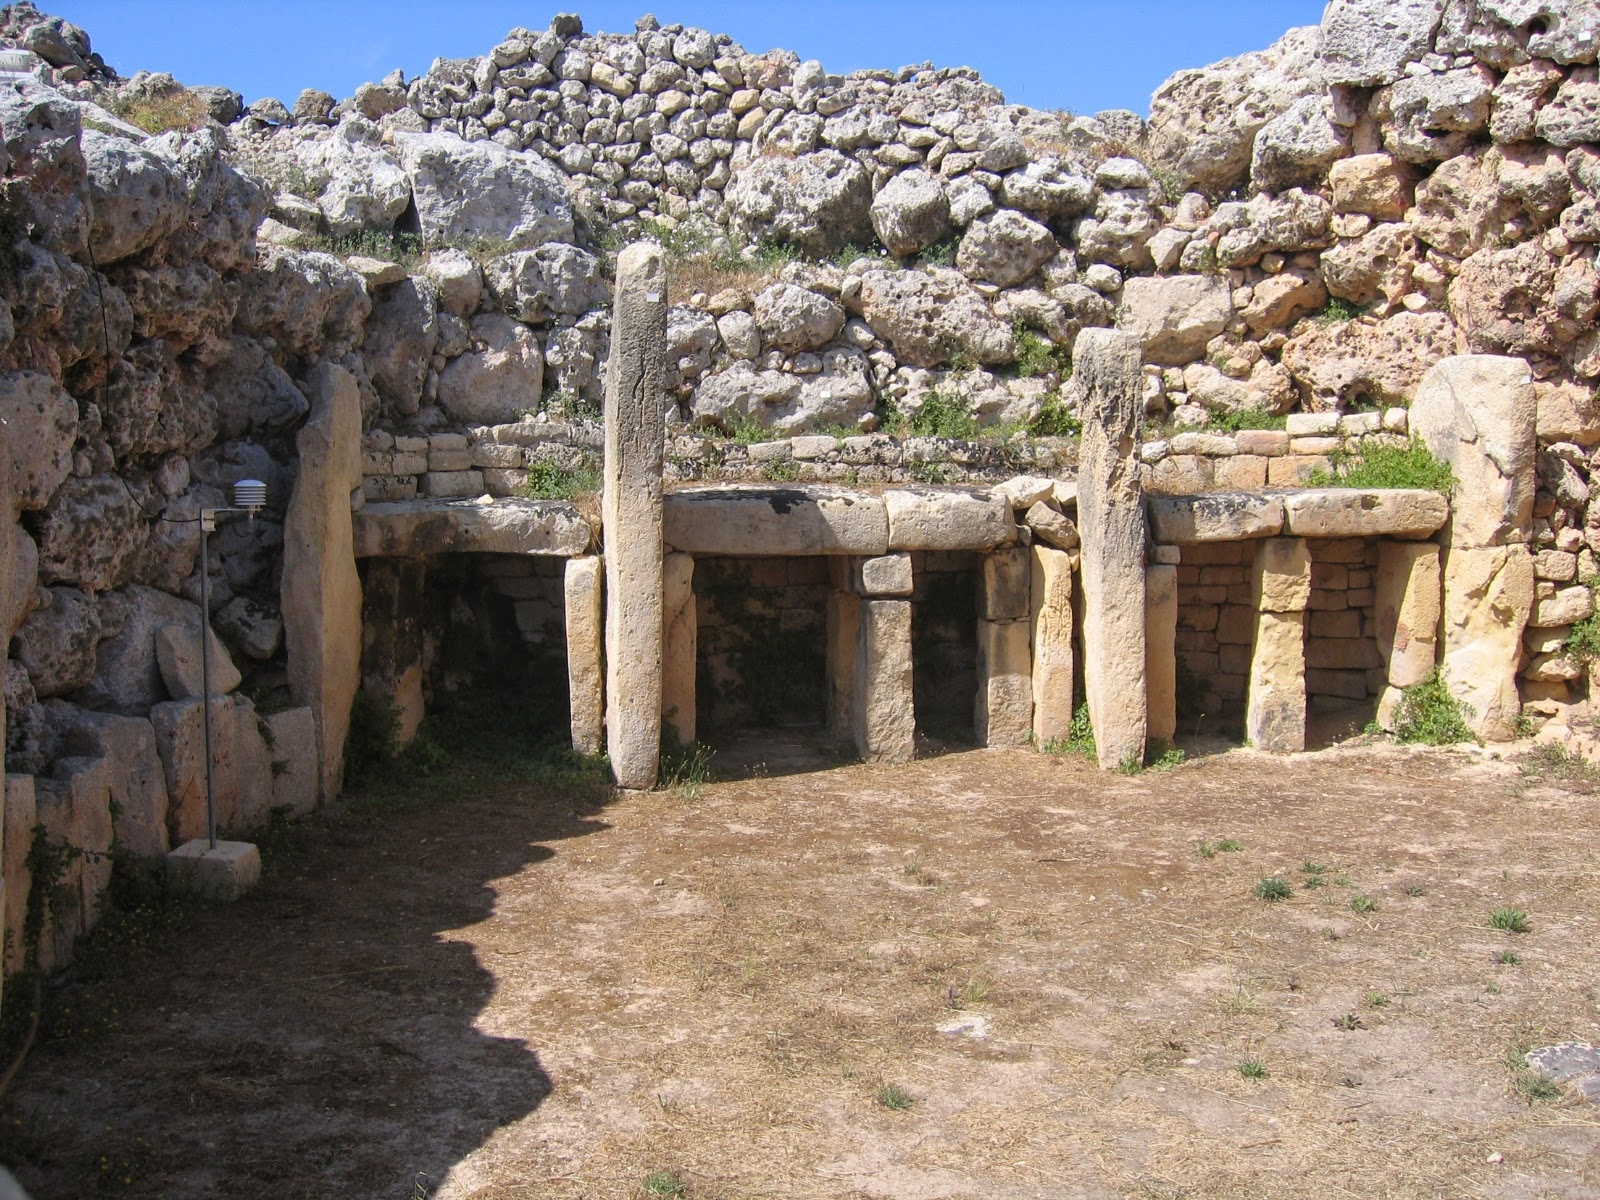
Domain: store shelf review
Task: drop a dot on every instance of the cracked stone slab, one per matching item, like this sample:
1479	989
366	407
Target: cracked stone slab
419	528
1574	1063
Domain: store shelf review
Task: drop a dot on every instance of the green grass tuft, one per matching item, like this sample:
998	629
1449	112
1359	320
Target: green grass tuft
1385	466
1429	715
1273	889
895	1098
1245	418
1253	1068
1510	920
551	481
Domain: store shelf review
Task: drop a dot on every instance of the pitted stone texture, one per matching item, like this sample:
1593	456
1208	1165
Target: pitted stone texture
1488	596
883	711
466	190
1275	714
1281	579
1003	714
884	575
795	520
1367	43
41	423
1175	317
679	640
947	520
1007	577
1574	1063
1478	413
1053	655
423	528
911	213
932	317
1216	517
820	202
1362	512
1408	605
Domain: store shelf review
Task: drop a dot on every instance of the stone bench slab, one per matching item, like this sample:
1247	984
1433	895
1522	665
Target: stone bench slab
784	521
1216	517
1358	512
419	528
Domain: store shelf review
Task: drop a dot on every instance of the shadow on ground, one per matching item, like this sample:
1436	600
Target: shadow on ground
343	1058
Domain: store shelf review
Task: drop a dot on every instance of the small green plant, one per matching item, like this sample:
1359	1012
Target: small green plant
1133	764
1241	419
1381	465
1168	759
178	108
1349	1022
1310	867
1414	889
552	481
1252	1068
1337	311
942	253
1210	849
1510	920
929	472
1429	715
1341	881
1377	1000
1363	904
782	471
665	1184
1055	420
1273	889
1506	958
1035	355
895	1098
1080	736
685	766
1529	1084
943	416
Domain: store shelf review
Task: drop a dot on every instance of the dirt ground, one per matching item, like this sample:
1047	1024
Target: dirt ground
988	974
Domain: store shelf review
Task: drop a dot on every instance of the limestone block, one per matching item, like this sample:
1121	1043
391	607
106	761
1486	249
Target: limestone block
1051	527
947	520
1024	491
1215	517
138	785
422	528
1408	606
1281	579
1003	715
1161	651
1175	317
180	741
20	817
178	658
1488	595
679	642
1007	577
321	591
74	807
1111	522
635	424
585	612
1565	607
884	575
1275	713
843	631
1478	413
291	749
220	875
883	711
252	763
1053	652
792	520
1359	512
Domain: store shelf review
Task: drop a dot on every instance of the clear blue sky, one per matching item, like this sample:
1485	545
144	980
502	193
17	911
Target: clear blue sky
1083	55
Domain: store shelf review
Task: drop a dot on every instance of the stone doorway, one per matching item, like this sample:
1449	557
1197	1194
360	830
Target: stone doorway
944	644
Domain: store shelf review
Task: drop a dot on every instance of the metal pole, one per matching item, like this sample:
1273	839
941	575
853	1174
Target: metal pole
206	518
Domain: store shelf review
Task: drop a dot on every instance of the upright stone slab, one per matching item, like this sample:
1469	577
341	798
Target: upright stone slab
1003	715
1275	711
884	711
844	628
21	815
586	653
391	655
1479	414
635	422
680	640
1408	604
1051	611
321	591
1111	522
1161	651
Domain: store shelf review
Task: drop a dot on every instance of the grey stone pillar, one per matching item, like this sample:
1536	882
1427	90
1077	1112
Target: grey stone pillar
680	644
635	421
586	652
1003	713
883	707
1275	713
1111	522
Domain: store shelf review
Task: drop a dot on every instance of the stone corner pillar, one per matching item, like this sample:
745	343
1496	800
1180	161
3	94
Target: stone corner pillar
321	591
1408	608
883	708
635	445
585	614
1275	711
1053	658
1478	413
1111	522
391	657
680	639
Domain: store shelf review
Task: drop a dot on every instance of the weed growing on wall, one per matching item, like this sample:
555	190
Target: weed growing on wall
178	109
1337	311
551	481
1429	715
1080	736
1384	466
1245	418
1055	419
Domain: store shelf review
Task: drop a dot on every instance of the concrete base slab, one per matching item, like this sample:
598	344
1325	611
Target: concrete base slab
223	874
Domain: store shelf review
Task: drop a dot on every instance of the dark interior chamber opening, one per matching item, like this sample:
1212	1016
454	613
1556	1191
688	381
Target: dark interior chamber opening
761	659
944	644
1345	674
1216	631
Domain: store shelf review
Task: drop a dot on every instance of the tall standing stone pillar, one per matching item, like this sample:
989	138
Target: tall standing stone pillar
1408	606
1161	651
321	591
1477	413
883	708
1050	603
680	646
1111	522
1275	713
391	654
635	421
844	627
586	652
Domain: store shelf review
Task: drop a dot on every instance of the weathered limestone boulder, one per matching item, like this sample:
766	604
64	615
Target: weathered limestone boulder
138	786
1048	189
930	317
1379	186
1502	299
499	380
364	187
882	575
401	336
585	613
1003	713
1478	414
790	520
1052	527
819	202
635	416
1111	522
1368	43
57	642
306	301
74	807
1376	267
41	421
555	278
679	642
1359	512
1176	316
127	676
292	749
1409	587
839	394
1380	362
178	658
911	213
1005	248
947	520
137	196
423	528
457	278
793	319
465	190
1275	712
1433	116
1488	595
1297	147
1005	581
247	390
250	626
1161	651
883	710
321	591
1572	118
1215	517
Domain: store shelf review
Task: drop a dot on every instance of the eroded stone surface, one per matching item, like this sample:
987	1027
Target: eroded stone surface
1216	517
420	528
801	519
1358	512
